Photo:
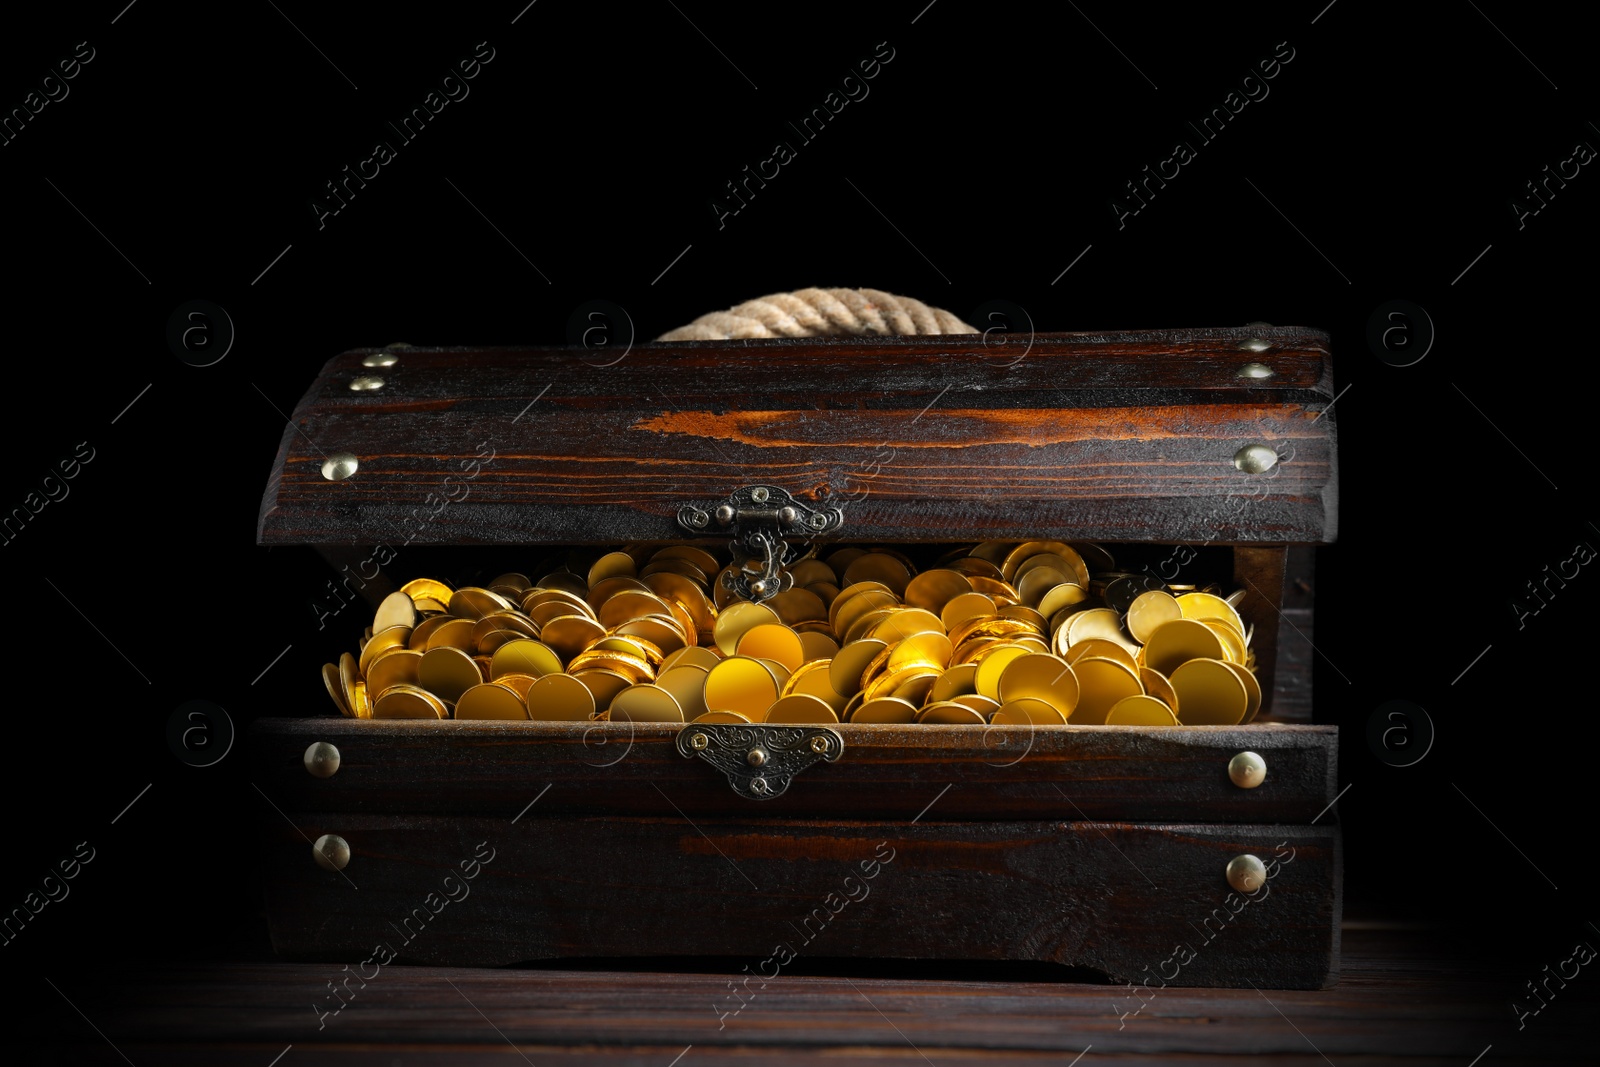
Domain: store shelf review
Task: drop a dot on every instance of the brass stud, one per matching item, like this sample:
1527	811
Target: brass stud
759	494
755	757
1247	770
1255	371
724	515
367	383
1255	344
759	786
339	466
1254	459
332	852
321	759
698	741
380	359
819	744
1246	873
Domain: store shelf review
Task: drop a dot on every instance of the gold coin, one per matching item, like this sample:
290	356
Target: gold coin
827	592
780	673
816	645
1210	693
517	683
633	646
885	710
408	702
1101	683
973	567
428	588
1156	685
1079	572
660	630
349	677
418	641
691	656
1232	641
540	614
879	567
330	678
979	703
773	641
560	697
603	684
969	652
567	635
992	665
1060	597
398	666
1028	711
495	638
930	649
1148	611
452	633
677	588
933	589
993	552
483	667
395	610
630	604
534	598
845	614
953	683
645	703
964	608
515	580
687	684
911	684
1001	592
806	571
995	626
428	606
1039	677
1097	622
634	668
393	637
847	667
1209	606
949	713
565	581
800	708
611	565
524	657
1032	586
742	685
610	587
738	619
1096	646
1174	643
702	559
491	701
721	716
864	626
362	705
471	602
1022	613
1252	691
850	592
813	680
1141	710
447	673
798	605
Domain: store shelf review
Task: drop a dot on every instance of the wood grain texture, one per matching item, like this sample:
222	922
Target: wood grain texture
1405	999
1117	898
1115	773
1125	436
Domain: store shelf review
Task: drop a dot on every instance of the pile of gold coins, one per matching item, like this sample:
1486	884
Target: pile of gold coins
998	633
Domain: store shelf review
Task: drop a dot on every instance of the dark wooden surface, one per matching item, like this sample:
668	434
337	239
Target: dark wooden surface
1115	898
1410	998
1126	436
1123	774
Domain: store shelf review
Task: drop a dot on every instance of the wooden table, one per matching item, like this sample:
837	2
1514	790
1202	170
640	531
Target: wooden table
1406	997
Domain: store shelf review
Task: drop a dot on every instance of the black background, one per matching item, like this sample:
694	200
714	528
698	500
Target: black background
995	140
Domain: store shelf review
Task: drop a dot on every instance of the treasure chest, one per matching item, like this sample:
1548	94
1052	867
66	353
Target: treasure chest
1150	802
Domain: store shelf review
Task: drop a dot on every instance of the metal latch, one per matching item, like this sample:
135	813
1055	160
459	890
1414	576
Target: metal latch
759	760
760	517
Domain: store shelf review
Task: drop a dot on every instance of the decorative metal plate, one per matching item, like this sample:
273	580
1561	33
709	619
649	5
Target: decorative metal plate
759	517
759	760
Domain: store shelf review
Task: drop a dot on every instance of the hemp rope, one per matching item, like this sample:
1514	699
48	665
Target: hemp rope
820	313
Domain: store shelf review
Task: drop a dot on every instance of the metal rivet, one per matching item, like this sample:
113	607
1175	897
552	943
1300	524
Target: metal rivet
724	515
759	587
367	383
699	741
1246	873
380	359
1255	370
1253	459
759	495
1255	344
759	786
321	759
697	518
339	466
787	516
819	521
1247	770
332	852
755	757
819	744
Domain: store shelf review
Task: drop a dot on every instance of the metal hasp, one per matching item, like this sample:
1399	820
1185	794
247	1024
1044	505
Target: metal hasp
759	517
759	760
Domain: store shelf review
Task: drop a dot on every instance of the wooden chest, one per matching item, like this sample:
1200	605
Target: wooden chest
1194	455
